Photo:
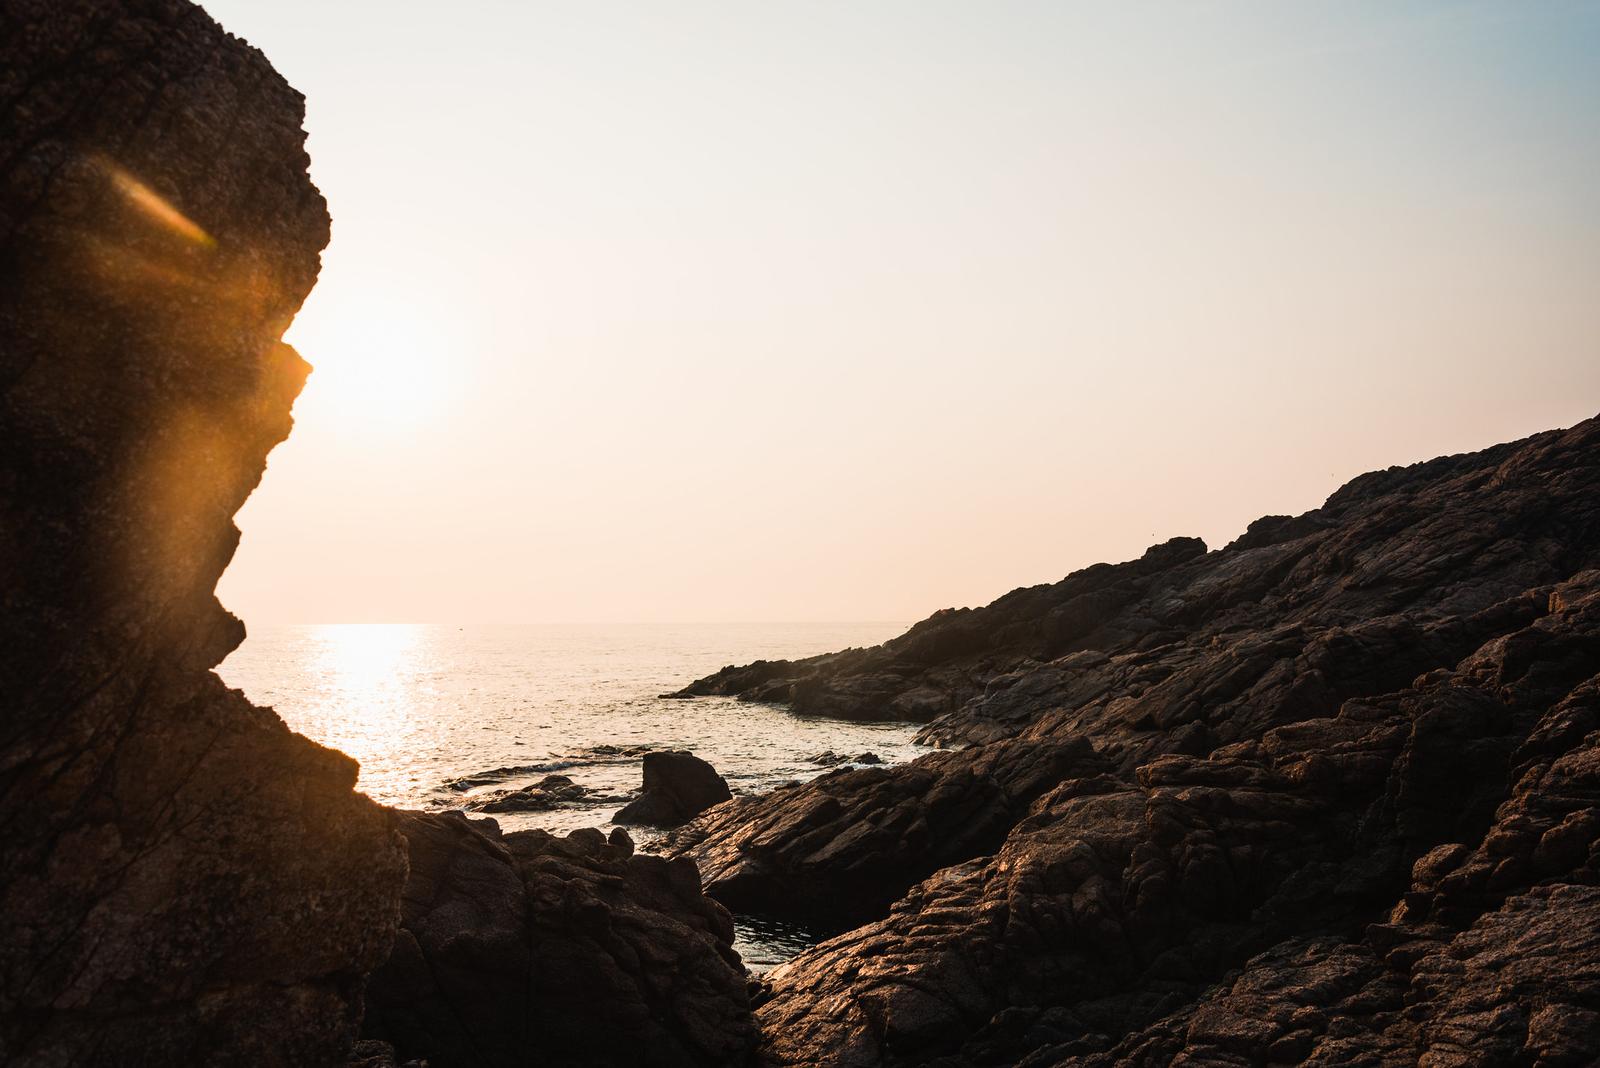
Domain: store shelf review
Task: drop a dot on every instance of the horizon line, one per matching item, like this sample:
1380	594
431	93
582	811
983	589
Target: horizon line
569	622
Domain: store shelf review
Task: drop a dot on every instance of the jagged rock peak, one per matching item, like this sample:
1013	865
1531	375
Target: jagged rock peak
182	880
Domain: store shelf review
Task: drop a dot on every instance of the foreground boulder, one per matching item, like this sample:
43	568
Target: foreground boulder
1339	800
527	949
838	850
182	879
677	786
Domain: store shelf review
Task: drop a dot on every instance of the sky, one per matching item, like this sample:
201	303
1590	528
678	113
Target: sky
783	311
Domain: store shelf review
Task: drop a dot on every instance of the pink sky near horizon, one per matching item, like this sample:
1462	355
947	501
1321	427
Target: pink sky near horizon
717	312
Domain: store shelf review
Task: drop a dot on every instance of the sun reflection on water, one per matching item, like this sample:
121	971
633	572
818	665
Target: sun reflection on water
423	705
371	675
364	658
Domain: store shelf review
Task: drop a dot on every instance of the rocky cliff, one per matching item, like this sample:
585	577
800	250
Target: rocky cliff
182	879
1329	795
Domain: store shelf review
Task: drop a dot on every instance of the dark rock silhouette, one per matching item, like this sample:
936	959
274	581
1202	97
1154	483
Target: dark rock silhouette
527	949
677	786
182	880
1329	795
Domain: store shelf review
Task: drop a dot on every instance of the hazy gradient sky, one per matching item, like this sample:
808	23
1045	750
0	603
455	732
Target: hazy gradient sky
800	311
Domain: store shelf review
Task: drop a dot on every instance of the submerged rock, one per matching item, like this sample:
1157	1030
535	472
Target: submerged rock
489	777
182	879
828	759
677	786
527	949
1334	799
550	792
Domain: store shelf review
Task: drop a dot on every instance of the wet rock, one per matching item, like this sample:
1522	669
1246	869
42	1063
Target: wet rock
828	759
550	792
608	750
489	777
182	879
528	949
677	786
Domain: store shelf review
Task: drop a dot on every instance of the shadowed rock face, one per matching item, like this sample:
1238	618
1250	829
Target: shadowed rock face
677	786
531	950
182	880
1335	792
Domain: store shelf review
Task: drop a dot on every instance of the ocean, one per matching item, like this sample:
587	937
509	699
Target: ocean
425	706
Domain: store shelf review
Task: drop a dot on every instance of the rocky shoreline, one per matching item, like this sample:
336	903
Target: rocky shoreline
1324	796
1327	795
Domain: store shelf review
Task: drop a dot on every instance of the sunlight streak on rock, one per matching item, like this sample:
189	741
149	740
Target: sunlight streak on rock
157	208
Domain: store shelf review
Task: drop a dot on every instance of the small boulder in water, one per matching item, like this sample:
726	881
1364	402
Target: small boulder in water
829	759
678	786
549	792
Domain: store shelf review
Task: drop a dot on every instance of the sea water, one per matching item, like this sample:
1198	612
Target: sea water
425	706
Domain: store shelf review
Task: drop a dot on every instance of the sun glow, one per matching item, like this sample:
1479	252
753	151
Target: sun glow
370	679
364	658
381	367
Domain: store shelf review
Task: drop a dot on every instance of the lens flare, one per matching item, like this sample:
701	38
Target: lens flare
156	207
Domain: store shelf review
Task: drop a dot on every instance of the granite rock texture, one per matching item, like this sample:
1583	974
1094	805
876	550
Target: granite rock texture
526	949
836	851
182	879
1329	795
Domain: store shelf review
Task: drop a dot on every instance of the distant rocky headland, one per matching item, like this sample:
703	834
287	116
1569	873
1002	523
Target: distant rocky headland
1327	795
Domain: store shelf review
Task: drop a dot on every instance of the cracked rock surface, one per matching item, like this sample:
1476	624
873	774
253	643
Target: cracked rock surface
1329	795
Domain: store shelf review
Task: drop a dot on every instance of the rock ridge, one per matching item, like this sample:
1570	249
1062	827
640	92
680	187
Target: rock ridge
1327	795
